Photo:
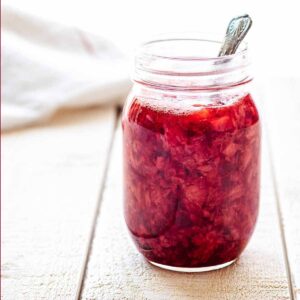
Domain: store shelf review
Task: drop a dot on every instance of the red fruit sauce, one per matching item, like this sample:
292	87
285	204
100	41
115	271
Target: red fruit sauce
191	180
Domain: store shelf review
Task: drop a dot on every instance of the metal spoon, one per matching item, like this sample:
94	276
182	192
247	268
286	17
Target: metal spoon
236	31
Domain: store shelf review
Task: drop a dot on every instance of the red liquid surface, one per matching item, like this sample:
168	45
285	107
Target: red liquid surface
191	181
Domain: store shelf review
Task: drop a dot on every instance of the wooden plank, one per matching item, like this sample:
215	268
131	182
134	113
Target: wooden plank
282	107
51	180
117	271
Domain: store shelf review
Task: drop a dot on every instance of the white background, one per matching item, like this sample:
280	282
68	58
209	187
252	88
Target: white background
274	39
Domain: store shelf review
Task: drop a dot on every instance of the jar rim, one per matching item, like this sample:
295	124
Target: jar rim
189	36
172	61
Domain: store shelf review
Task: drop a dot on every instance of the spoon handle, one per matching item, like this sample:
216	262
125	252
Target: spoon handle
236	31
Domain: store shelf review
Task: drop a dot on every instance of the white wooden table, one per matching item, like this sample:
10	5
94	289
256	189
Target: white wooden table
63	234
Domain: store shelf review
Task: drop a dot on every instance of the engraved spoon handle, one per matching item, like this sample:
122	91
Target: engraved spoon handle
236	31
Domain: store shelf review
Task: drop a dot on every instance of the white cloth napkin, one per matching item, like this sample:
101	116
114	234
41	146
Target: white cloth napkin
47	66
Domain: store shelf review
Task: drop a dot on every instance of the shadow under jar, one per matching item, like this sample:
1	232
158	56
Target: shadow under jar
191	142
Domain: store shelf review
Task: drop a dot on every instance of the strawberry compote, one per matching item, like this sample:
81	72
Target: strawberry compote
191	179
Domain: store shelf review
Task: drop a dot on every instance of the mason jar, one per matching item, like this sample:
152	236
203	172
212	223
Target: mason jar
191	141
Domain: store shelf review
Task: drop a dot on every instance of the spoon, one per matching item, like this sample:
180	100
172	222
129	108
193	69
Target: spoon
237	29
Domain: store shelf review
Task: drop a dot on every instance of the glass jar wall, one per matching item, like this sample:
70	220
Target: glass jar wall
191	141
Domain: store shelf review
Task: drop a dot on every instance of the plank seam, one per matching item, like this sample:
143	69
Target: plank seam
281	222
98	209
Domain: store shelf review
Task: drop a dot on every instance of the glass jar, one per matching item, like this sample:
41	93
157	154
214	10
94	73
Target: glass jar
191	141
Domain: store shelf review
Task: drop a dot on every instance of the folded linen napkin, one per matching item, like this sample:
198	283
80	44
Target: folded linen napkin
47	66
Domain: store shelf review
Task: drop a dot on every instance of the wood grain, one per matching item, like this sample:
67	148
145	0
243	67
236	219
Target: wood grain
282	107
51	181
117	271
